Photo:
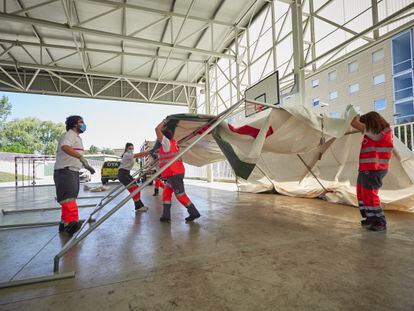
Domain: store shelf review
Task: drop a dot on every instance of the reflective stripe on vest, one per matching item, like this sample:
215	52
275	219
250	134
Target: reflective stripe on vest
376	149
376	154
372	160
177	167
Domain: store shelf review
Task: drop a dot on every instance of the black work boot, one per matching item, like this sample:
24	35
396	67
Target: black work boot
365	223
194	214
166	213
378	224
156	191
139	206
72	227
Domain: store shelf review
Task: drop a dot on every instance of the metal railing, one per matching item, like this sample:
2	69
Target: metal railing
404	132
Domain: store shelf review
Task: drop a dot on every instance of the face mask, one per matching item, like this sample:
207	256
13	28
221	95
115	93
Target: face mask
130	151
82	128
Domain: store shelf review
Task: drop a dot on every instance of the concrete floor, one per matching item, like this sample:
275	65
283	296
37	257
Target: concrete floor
247	252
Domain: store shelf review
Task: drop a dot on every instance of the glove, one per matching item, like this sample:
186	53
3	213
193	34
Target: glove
86	165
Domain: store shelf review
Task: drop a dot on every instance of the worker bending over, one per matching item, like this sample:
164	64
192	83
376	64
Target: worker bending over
376	151
124	174
173	175
69	160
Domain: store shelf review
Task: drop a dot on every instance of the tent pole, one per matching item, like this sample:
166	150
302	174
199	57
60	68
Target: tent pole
77	239
310	171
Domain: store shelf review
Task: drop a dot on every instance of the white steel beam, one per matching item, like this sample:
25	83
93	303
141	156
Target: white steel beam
96	73
105	34
11	78
161	20
98	16
109	84
30	8
70	83
298	53
136	89
156	11
14	43
384	21
32	80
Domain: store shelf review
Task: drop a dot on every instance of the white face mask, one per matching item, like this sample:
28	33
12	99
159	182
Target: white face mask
130	151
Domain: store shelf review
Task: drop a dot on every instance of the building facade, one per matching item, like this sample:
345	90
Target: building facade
379	78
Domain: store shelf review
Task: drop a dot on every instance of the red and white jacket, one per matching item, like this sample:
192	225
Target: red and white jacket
177	168
375	153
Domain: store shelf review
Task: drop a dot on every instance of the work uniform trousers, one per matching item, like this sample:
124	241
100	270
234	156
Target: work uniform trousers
125	178
368	185
67	190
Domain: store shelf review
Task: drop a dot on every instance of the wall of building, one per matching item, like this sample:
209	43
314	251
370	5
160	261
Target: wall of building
363	76
368	97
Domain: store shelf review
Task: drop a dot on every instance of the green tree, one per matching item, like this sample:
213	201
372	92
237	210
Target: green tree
5	109
107	151
93	149
31	135
48	134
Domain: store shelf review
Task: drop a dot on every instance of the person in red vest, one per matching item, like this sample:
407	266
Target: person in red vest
173	175
374	157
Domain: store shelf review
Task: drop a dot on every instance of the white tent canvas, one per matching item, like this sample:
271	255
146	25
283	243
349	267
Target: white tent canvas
277	148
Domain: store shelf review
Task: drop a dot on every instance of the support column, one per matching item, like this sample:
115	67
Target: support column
298	53
207	104
272	10
374	9
312	30
238	60
192	105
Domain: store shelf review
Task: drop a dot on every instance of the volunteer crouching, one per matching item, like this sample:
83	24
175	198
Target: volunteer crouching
374	157
173	175
69	160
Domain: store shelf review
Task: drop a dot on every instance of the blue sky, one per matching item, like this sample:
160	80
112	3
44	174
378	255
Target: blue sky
109	123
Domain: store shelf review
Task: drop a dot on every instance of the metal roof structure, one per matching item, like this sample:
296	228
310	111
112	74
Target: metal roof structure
159	51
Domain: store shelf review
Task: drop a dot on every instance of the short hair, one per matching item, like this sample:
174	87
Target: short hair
72	121
374	122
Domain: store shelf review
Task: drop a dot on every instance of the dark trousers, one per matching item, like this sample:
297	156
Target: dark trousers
66	183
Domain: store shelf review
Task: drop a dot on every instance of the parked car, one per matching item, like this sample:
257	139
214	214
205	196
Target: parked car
109	171
84	175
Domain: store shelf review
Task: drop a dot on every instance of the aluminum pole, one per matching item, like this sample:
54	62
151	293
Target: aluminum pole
74	242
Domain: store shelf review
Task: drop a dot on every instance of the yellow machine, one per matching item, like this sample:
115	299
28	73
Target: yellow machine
109	171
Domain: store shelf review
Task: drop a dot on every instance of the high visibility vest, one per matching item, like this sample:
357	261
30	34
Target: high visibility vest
177	167
375	154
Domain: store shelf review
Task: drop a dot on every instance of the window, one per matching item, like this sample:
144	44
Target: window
378	79
404	112
380	104
315	102
353	88
333	95
403	86
401	52
352	67
332	75
315	83
377	55
334	114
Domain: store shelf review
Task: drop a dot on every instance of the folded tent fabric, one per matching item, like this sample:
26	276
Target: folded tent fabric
263	149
